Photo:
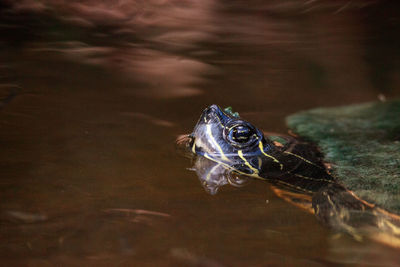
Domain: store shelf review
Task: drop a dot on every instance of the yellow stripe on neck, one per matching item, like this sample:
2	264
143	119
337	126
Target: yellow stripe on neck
240	153
303	159
260	145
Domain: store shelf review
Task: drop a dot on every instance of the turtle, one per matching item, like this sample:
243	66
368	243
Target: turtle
229	149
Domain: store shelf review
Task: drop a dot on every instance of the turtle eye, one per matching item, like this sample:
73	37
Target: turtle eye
240	134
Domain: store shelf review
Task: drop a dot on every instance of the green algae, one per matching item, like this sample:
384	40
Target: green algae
229	111
362	142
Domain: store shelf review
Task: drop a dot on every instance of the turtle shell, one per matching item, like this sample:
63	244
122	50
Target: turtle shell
362	144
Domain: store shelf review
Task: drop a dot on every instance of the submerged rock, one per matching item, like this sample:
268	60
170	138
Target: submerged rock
362	144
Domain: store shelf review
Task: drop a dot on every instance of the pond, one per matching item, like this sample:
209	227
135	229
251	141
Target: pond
94	94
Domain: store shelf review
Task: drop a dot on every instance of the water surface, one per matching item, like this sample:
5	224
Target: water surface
93	95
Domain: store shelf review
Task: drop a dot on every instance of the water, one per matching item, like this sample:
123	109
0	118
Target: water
95	94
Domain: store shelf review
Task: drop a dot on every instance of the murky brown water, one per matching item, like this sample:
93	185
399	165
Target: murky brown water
95	93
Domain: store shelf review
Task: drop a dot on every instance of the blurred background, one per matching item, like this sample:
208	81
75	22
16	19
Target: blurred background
94	93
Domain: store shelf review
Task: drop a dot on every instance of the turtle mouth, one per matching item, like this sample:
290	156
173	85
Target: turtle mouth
191	140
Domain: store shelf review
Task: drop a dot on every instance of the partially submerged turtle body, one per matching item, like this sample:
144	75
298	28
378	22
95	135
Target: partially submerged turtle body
228	147
362	142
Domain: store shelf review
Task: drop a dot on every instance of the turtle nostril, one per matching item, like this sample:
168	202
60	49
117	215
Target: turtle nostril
214	107
208	115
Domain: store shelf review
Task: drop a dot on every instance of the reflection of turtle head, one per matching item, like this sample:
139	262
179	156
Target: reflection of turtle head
213	175
223	137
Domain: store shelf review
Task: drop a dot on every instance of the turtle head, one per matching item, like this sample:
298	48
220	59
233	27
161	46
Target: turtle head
222	136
